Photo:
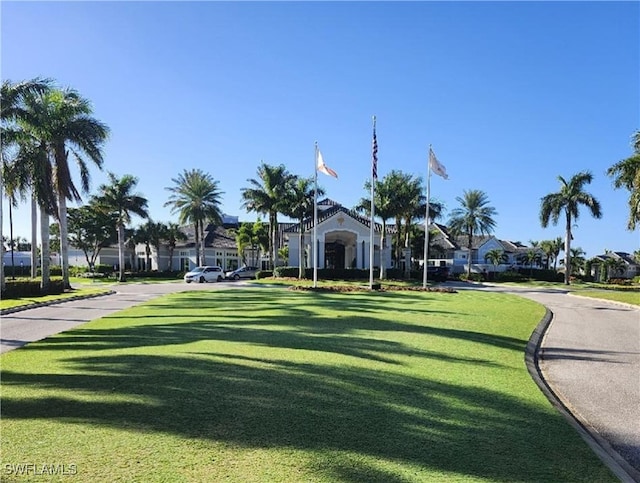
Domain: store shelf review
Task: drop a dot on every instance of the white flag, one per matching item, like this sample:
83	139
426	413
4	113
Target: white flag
323	168
436	166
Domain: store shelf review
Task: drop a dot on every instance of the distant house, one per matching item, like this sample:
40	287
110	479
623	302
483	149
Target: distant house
452	251
629	268
220	249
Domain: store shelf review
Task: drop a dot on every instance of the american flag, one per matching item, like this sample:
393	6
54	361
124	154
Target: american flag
374	165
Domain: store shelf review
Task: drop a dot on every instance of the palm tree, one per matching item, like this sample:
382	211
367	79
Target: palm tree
196	198
568	201
118	198
529	258
496	257
13	112
385	206
577	260
267	195
300	206
626	174
473	216
143	235
62	123
173	235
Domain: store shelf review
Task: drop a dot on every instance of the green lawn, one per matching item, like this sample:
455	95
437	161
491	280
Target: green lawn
79	292
628	297
275	385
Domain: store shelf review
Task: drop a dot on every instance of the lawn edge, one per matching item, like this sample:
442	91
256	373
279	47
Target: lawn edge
601	447
35	305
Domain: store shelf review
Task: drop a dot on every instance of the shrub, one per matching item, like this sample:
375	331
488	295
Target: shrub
474	277
264	274
510	276
280	272
29	288
542	274
54	271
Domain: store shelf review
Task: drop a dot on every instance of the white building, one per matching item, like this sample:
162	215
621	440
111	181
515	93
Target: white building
343	240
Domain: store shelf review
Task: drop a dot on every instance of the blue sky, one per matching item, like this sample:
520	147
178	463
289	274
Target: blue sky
510	95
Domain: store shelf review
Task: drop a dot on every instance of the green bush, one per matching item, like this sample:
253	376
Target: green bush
29	288
264	274
17	271
510	276
541	274
280	272
54	271
474	277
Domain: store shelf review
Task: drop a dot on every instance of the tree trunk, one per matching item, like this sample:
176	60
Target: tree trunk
197	234
34	237
470	246
567	253
44	252
300	252
64	240
273	222
2	281
203	257
383	268
121	277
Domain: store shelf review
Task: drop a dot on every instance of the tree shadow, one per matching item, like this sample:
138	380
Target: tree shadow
262	403
377	411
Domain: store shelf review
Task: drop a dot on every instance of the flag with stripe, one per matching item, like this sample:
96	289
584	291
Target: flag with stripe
374	160
323	168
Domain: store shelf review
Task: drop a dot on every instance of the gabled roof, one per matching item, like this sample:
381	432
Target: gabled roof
449	242
624	256
220	237
333	209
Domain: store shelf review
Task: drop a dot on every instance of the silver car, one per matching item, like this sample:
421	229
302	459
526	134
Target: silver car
243	272
204	274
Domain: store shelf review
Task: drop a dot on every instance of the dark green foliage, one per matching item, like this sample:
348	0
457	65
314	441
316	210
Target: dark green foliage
29	288
54	271
264	274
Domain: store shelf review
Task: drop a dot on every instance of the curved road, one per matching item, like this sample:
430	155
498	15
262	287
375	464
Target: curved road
590	358
590	355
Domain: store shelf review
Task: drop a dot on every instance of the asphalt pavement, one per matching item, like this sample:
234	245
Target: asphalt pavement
588	356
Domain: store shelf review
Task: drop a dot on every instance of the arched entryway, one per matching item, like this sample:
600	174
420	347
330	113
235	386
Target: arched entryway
340	249
334	255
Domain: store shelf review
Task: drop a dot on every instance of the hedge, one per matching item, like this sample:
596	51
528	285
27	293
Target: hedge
30	288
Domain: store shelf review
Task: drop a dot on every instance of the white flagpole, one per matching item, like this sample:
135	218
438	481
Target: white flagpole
426	221
371	233
315	217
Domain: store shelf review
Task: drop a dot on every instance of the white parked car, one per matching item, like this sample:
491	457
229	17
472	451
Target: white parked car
204	274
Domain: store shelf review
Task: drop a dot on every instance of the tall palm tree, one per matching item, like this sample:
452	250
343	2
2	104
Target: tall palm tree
267	195
12	112
173	235
384	206
62	123
300	206
567	201
196	198
626	174
473	216
118	198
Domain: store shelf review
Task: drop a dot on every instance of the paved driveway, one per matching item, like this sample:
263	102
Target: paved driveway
30	325
590	357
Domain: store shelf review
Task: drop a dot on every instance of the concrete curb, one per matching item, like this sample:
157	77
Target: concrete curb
618	465
614	302
35	305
